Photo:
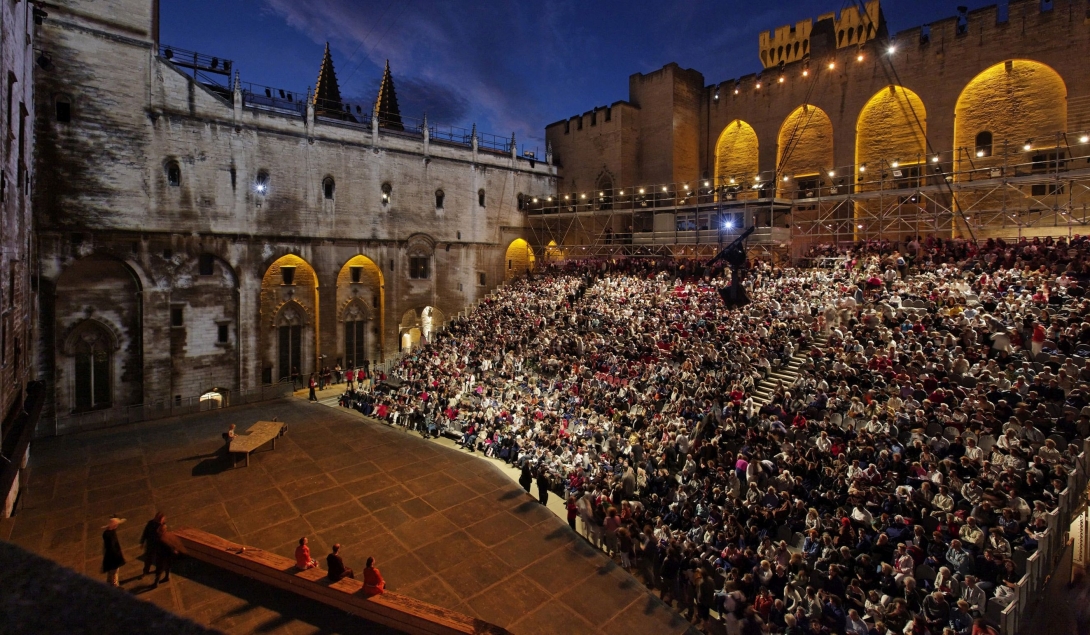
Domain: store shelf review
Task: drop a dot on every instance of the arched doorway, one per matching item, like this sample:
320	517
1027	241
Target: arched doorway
1011	117
736	156
518	260
289	320
891	137
98	312
804	154
409	331
431	320
213	399
361	290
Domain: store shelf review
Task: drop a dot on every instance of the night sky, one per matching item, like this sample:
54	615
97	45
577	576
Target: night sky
509	66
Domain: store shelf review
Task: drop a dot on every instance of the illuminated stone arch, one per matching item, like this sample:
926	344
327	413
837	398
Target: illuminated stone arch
804	146
892	128
289	319
360	283
1015	101
518	260
553	252
736	153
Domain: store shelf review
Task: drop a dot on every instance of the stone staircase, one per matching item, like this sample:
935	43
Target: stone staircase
787	374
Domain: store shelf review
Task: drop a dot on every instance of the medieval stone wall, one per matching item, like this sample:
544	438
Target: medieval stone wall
17	299
201	198
1019	73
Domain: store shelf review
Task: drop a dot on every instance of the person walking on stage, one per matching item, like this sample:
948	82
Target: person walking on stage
112	556
149	540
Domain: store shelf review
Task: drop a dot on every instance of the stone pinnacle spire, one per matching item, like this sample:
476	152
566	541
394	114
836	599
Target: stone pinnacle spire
327	94
389	115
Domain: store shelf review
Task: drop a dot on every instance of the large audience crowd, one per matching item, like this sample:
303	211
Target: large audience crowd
896	486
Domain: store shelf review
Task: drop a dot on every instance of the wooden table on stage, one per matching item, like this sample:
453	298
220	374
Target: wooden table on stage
258	435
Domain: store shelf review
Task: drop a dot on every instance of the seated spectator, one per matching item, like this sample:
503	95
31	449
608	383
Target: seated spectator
335	565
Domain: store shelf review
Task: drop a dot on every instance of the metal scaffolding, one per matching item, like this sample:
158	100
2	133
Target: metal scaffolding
1038	187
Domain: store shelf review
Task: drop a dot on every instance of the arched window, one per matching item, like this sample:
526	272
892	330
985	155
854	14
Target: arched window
439	196
174	173
984	144
64	109
521	202
480	197
261	183
92	372
328	188
387	193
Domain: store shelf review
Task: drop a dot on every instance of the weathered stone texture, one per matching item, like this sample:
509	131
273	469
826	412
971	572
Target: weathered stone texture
155	171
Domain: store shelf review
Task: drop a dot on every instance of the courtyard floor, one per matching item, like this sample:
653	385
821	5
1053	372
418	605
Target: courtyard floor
444	526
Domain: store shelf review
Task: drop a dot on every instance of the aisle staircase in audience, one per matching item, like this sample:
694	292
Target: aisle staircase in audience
787	373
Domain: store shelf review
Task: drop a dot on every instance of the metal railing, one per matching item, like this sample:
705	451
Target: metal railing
1041	564
78	422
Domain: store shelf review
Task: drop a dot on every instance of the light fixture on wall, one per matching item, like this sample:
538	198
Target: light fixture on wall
832	65
935	159
859	58
1084	139
706	184
641	190
1029	145
862	168
896	163
832	173
781	79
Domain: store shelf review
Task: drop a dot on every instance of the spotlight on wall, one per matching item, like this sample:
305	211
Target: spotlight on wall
935	159
1084	139
896	163
716	96
980	153
535	200
859	58
663	188
1029	145
732	180
641	190
832	174
758	85
832	65
686	187
706	184
620	193
781	79
735	91
862	168
565	197
583	196
728	224
859	227
892	49
805	72
601	193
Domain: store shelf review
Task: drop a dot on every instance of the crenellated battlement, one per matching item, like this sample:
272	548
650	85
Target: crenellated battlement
789	43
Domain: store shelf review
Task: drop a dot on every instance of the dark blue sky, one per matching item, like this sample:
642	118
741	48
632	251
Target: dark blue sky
509	66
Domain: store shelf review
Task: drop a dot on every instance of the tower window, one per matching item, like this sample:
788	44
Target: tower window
205	265
177	316
222	333
357	273
984	144
174	174
287	274
418	267
387	193
439	197
480	198
261	183
64	110
328	187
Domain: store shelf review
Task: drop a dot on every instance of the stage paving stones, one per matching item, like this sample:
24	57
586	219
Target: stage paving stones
444	526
